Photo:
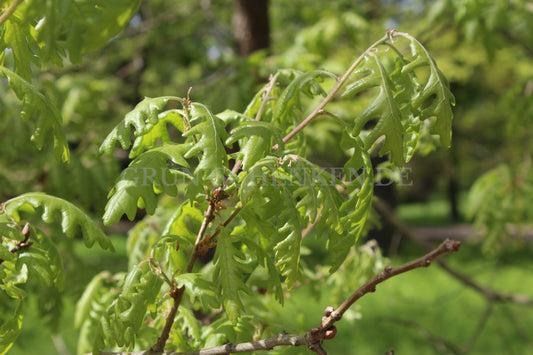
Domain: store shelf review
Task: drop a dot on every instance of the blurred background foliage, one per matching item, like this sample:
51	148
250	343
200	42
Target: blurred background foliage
485	49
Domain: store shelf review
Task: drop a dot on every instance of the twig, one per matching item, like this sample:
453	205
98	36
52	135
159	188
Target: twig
11	8
448	246
177	293
333	92
490	294
314	337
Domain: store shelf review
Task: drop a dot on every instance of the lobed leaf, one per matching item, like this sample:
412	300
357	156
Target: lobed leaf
261	136
384	109
436	90
358	202
72	218
287	251
213	159
146	176
36	105
229	271
143	118
304	82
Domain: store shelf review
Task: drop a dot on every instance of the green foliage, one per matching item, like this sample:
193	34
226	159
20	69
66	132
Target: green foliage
39	33
72	218
254	206
35	104
498	202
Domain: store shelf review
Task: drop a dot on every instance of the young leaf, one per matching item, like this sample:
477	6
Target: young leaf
437	85
384	108
355	209
229	271
9	331
261	137
199	288
159	133
36	105
18	38
72	217
213	158
144	117
306	83
124	317
316	191
146	176
287	251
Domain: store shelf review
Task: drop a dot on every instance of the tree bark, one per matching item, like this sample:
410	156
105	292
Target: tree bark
251	25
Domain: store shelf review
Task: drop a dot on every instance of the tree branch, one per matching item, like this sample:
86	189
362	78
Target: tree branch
319	109
11	8
489	293
314	337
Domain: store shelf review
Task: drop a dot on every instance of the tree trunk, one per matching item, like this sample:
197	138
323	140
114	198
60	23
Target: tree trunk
251	26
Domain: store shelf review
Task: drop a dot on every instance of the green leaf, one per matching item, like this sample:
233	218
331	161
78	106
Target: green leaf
358	203
259	174
306	83
84	304
10	330
125	316
143	118
73	26
316	190
18	38
199	288
261	137
72	218
287	251
437	91
229	271
146	176
384	108
36	105
159	132
7	231
213	159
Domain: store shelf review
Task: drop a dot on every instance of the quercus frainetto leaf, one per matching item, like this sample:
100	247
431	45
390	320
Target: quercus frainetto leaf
357	205
55	30
146	176
124	317
384	108
316	192
289	100
436	90
229	271
210	134
144	117
37	106
287	251
261	136
72	218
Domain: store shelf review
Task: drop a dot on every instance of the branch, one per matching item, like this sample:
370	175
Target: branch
177	293
314	337
5	15
488	293
319	109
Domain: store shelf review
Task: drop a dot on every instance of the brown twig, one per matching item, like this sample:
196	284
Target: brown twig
314	337
11	8
490	294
